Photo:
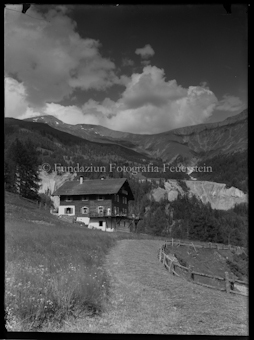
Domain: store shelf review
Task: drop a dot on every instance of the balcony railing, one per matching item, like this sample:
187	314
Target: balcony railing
106	214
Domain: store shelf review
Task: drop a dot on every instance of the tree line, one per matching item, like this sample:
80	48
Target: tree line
231	169
188	218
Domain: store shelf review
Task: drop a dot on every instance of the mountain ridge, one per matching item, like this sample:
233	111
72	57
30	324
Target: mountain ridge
189	142
240	116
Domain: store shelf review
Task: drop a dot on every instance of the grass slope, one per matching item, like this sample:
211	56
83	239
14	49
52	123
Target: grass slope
146	299
208	261
64	278
53	269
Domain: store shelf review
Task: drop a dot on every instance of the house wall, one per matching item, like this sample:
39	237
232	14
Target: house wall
109	202
62	209
121	206
82	219
106	224
92	203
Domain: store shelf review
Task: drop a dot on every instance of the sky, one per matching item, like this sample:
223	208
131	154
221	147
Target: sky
136	68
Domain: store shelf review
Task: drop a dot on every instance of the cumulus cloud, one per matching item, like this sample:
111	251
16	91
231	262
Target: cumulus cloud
149	104
46	60
230	103
50	57
145	52
150	87
16	104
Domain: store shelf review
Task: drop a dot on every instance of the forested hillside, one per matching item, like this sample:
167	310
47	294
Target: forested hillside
189	218
231	169
56	146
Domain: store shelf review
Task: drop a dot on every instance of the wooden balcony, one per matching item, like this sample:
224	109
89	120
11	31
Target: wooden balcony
111	214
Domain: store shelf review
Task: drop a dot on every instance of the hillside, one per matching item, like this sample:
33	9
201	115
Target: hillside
146	299
199	141
221	146
63	278
62	147
53	269
215	193
211	261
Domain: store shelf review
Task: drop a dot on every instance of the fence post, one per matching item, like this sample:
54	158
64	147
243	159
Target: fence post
194	247
232	283
170	267
164	259
190	275
227	283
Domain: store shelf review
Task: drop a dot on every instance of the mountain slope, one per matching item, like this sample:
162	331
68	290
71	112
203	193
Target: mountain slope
215	193
199	141
62	144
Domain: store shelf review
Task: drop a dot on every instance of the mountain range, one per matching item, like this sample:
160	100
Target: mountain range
222	145
193	142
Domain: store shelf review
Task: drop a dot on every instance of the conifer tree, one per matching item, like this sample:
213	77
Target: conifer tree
22	169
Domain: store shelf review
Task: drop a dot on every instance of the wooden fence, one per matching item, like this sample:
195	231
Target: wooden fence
171	263
209	245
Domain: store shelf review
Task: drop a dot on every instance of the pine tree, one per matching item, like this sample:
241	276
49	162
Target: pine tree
9	175
23	176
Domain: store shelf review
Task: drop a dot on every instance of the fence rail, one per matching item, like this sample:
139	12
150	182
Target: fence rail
208	245
170	262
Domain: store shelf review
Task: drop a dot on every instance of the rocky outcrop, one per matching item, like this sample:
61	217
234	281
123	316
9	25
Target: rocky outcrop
216	194
51	182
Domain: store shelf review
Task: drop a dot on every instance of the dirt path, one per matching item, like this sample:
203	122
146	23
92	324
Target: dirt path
145	298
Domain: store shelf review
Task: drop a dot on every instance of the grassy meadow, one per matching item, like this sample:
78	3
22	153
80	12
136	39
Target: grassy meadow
53	269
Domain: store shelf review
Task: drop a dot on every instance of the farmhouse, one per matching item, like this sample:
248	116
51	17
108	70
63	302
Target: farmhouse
100	203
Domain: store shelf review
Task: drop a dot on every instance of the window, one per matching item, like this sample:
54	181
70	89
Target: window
100	210
84	210
100	223
108	211
125	200
115	210
68	211
68	199
117	198
84	198
100	198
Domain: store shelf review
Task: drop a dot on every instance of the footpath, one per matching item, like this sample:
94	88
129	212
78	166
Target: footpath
146	299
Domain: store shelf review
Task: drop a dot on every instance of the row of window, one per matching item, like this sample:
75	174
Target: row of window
100	210
99	198
124	199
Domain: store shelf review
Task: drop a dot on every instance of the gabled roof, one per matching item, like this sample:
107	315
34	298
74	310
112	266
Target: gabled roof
96	186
